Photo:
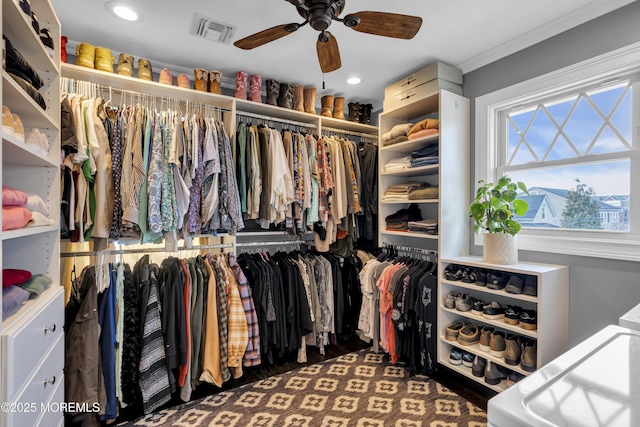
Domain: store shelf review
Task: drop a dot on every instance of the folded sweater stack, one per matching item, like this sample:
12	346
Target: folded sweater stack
401	192
19	286
428	226
21	209
399	221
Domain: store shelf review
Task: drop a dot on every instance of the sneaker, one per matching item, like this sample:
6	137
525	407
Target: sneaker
496	280
464	302
469	335
529	320
455	356
467	359
468	275
485	338
451	332
18	128
481	277
497	345
37	140
452	272
7	121
450	300
513	351
530	286
494	373
515	284
479	366
493	311
477	307
529	357
512	315
513	378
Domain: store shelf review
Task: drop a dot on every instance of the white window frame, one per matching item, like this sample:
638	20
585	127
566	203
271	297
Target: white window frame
592	243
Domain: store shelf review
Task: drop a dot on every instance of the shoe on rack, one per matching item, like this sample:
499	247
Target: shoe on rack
145	71
183	81
450	300
513	350
310	93
485	338
512	314
47	40
18	128
7	121
494	373
365	113
86	55
455	356
166	77
34	22
38	140
493	311
25	5
338	107
215	82
201	79
453	272
298	98
479	366
451	332
529	320
285	98
464	302
241	85
469	335
469	275
478	307
327	105
354	111
513	378
497	345
255	88
528	358
481	277
125	65
515	284
273	91
104	59
530	286
467	359
496	280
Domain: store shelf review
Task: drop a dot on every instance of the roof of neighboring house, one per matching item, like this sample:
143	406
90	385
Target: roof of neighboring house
563	193
534	205
557	191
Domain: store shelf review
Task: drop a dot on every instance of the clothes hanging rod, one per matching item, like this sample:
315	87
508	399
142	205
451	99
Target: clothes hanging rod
143	250
412	249
348	132
282	242
275	119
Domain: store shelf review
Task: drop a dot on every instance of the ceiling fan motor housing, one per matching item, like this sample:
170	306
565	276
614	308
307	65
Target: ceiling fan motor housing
321	12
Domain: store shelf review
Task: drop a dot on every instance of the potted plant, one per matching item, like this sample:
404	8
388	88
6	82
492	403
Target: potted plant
493	211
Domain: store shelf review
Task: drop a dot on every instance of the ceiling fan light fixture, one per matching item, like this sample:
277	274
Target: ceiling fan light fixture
124	11
354	80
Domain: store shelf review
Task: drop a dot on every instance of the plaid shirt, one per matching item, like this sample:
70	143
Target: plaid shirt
326	181
238	330
252	352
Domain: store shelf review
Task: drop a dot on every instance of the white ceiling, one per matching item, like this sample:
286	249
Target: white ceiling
464	33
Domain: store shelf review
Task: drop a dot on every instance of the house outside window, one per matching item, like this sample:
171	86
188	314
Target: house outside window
573	137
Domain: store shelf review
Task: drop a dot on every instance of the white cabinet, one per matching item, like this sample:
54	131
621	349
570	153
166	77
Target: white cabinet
451	174
31	347
551	304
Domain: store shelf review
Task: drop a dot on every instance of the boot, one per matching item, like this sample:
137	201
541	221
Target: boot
215	81
63	49
298	98
273	91
365	113
104	59
183	81
494	373
241	85
165	77
327	106
354	111
285	100
144	70
310	99
201	78
255	88
125	65
338	107
86	55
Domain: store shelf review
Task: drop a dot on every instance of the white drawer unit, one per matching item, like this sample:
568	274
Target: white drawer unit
54	417
26	343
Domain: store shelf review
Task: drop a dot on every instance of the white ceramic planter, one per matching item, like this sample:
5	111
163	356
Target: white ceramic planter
500	248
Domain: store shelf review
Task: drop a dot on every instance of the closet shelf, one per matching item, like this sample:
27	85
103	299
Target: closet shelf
408	202
502	386
348	125
17	27
410	234
24	106
133	84
497	323
15	152
29	231
485	290
246	106
31	305
520	268
424	170
409	146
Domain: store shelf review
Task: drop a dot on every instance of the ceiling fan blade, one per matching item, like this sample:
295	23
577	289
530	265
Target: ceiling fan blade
385	24
328	52
266	36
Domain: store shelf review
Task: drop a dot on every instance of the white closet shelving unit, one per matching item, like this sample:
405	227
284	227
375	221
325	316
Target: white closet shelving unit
32	340
451	174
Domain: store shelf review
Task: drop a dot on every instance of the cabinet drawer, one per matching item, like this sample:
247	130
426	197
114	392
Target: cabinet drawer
28	341
41	389
437	70
55	416
418	93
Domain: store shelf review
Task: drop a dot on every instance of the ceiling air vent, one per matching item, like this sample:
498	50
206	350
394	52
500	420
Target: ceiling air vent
209	29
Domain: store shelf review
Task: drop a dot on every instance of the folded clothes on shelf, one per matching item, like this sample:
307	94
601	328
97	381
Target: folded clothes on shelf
399	221
429	226
401	192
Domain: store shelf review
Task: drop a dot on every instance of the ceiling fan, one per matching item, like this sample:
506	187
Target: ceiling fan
320	13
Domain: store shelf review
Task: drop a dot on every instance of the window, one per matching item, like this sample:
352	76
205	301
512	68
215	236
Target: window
573	136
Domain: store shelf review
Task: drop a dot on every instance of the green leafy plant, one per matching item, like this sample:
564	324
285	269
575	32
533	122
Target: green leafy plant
496	204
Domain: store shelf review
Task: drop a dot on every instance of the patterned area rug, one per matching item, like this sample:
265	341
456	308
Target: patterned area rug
358	389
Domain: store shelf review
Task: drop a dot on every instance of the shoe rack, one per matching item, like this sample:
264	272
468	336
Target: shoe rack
551	303
32	339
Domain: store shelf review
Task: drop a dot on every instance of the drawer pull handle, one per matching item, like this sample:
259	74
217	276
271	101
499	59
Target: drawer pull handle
51	381
51	328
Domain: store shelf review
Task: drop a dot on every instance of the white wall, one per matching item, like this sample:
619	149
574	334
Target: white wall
601	290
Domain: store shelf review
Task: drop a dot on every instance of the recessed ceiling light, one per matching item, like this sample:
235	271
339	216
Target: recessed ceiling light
354	80
124	11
